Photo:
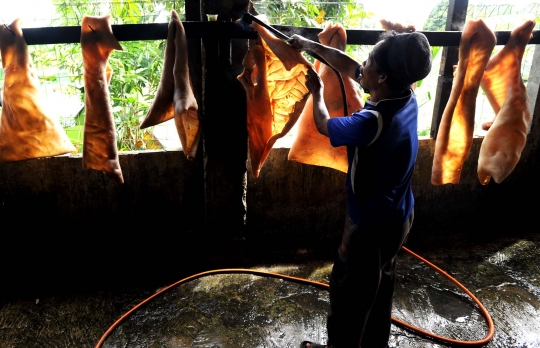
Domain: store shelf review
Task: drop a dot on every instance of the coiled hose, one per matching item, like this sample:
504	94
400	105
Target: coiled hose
324	286
248	18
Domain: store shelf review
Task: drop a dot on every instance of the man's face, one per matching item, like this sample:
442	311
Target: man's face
370	76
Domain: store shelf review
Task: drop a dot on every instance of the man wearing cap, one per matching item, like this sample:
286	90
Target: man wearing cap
382	146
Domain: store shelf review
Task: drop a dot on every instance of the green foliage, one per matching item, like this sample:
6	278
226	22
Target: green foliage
123	11
311	13
436	20
424	132
137	71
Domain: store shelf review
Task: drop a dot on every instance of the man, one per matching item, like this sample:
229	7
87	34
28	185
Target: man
382	146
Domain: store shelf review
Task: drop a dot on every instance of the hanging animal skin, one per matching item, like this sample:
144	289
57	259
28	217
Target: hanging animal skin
162	108
174	97
288	56
26	131
502	82
99	147
455	135
309	146
274	80
186	115
259	117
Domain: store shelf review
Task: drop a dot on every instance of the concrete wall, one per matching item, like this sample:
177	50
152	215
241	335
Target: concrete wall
163	186
63	227
290	200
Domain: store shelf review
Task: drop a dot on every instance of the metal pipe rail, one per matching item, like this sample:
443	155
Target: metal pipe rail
158	31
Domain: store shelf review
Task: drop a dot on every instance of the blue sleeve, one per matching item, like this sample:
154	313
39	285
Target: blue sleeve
359	129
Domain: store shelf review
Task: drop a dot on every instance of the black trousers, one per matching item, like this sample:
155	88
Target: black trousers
362	285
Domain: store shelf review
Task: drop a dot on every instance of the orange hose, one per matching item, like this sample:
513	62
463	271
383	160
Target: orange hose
491	329
486	339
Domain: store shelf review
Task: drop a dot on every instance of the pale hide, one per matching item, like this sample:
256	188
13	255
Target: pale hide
99	147
174	97
502	82
309	146
26	130
455	135
274	81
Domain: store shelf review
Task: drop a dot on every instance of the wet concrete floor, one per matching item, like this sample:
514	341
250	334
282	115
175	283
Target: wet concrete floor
243	310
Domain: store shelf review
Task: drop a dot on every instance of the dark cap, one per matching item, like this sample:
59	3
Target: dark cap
409	57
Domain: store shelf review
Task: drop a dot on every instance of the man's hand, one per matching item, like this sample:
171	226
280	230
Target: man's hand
300	43
313	81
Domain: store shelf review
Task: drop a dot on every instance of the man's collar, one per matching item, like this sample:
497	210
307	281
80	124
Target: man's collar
405	95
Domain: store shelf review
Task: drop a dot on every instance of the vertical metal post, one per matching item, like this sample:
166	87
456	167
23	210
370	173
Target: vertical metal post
193	13
533	92
225	134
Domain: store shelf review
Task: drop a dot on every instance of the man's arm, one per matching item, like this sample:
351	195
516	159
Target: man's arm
337	59
320	112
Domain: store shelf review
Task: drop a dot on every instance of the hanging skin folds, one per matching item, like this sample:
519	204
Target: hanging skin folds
502	82
162	108
309	146
26	130
174	97
99	147
259	118
274	81
455	135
